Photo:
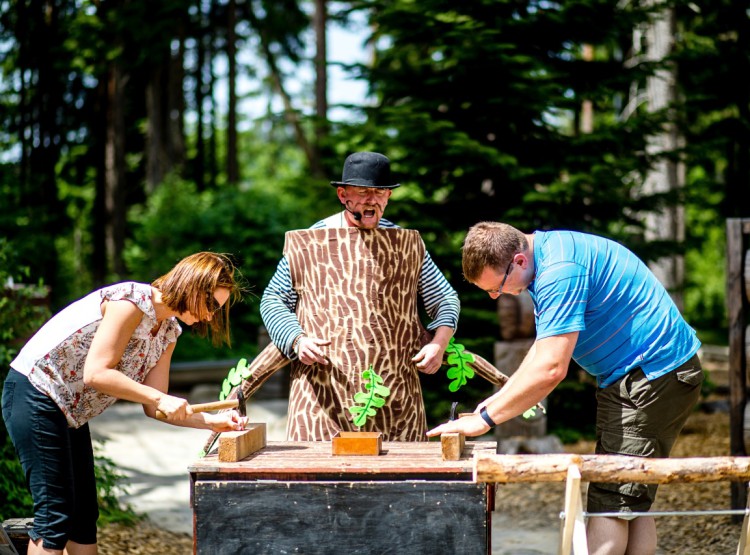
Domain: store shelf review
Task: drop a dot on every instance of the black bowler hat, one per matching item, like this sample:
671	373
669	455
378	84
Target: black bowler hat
366	169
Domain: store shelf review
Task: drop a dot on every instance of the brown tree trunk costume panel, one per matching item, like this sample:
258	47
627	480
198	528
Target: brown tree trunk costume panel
358	289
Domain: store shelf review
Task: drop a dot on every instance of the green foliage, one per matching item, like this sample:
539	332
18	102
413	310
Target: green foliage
368	401
21	314
247	223
459	360
234	378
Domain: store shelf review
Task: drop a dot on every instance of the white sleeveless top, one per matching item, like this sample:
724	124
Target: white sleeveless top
53	358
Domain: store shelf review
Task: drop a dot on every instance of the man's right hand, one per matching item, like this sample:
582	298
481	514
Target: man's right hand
311	350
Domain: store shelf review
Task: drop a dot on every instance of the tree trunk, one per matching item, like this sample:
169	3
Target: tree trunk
212	164
290	114
99	265
666	175
201	78
175	122
114	164
232	165
320	19
155	170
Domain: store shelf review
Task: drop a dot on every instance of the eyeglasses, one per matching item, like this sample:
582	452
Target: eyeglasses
499	290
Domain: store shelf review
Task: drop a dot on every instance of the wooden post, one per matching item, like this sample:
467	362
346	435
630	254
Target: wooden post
736	229
744	546
573	533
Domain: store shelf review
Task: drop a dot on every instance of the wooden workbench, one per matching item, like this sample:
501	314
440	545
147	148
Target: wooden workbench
295	497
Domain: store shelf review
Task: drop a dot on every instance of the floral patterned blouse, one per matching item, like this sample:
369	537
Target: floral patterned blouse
53	359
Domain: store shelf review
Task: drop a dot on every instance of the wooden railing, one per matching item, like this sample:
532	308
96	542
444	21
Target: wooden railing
573	469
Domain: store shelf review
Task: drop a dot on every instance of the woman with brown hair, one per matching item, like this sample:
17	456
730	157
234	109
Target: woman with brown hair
114	343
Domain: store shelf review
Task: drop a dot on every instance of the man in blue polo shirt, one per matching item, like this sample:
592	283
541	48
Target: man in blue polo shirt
597	303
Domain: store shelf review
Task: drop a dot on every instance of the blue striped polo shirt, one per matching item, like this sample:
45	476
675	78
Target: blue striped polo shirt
624	315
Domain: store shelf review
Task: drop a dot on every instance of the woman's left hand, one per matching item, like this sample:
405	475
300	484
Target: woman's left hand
229	421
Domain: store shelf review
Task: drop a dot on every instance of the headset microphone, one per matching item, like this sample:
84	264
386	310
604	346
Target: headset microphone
357	215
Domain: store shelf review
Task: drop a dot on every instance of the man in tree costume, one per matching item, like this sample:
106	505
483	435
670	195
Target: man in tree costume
342	306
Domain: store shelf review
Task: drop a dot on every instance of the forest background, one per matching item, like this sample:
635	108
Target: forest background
124	145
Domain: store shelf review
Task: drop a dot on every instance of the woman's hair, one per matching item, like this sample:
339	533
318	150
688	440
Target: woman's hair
190	287
490	245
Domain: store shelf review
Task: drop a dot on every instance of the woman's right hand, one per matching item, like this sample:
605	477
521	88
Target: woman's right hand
176	408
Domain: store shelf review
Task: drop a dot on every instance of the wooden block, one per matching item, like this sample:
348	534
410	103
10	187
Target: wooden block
357	443
453	445
235	446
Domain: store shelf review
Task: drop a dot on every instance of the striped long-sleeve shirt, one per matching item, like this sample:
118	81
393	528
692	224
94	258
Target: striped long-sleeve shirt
277	306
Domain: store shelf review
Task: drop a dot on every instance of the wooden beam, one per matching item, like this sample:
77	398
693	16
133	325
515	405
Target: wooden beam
452	444
609	468
573	532
235	446
735	300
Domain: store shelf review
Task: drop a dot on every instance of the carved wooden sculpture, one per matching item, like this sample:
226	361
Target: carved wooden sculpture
357	288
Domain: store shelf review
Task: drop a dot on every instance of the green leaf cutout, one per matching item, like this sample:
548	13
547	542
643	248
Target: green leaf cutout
234	378
531	413
367	402
460	371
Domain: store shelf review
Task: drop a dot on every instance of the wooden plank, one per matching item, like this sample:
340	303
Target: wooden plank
609	468
452	445
413	517
737	360
572	511
235	446
296	460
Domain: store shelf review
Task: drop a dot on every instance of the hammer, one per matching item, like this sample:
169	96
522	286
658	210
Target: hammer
238	403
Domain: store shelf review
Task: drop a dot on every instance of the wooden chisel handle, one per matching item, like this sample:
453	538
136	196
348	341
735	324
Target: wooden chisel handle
206	407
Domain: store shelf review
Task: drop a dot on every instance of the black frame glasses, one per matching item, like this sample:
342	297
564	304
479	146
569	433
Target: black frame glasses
499	290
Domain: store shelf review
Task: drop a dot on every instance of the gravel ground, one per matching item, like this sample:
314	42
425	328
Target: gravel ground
537	506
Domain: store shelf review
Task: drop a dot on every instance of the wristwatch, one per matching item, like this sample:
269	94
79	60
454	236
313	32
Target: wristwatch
486	417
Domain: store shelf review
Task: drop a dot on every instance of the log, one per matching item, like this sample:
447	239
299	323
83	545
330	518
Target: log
609	468
523	468
235	446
